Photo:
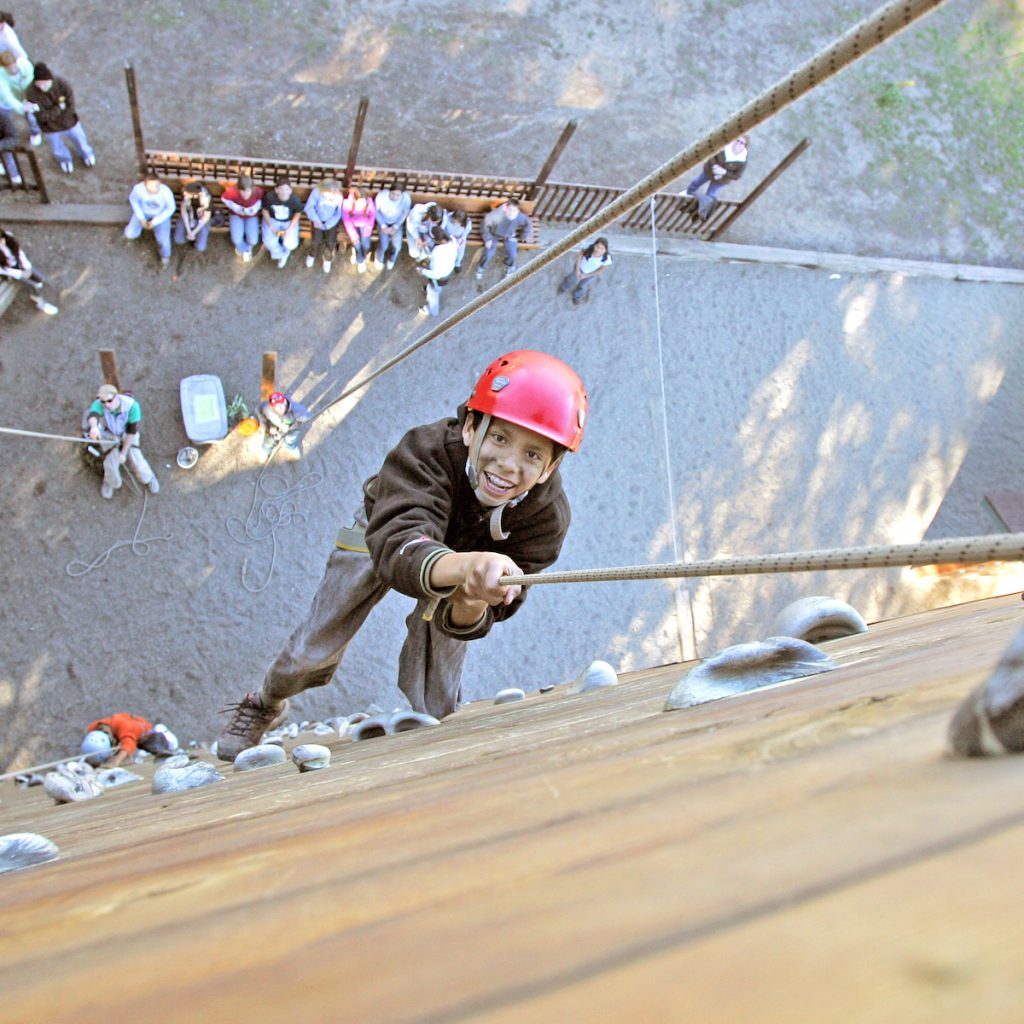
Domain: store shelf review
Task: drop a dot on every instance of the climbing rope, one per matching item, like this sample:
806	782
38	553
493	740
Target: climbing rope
139	545
849	47
278	509
1008	547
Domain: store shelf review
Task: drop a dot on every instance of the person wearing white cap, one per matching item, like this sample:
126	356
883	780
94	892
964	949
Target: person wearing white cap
117	418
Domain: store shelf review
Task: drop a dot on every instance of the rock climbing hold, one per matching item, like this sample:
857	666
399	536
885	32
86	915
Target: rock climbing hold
309	757
108	778
596	676
178	773
23	849
748	666
71	783
509	695
370	728
990	720
817	619
261	756
406	721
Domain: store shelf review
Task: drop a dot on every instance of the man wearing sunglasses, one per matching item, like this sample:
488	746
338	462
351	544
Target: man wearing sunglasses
116	419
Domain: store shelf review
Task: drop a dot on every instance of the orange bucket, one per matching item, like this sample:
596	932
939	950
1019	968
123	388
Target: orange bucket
248	426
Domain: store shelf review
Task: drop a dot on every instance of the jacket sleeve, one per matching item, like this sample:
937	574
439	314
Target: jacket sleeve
407	524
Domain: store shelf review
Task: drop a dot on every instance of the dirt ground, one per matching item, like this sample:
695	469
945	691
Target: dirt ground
787	390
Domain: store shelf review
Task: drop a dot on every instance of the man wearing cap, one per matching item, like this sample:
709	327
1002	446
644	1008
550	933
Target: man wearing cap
53	102
116	418
282	416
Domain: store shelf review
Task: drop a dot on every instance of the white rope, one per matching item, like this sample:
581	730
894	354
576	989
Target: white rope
275	511
54	437
1004	547
680	596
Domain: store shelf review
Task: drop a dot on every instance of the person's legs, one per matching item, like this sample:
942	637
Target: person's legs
291	238
12	168
363	248
80	139
60	150
316	243
236	228
162	234
511	251
251	231
490	248
273	243
133	228
433	298
580	294
567	282
203	238
701	179
348	591
430	666
140	466
111	471
179	232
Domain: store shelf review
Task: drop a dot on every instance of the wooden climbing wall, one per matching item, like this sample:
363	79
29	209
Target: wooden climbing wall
805	853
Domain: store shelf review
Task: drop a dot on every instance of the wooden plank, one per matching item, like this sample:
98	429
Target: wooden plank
268	376
526	852
108	367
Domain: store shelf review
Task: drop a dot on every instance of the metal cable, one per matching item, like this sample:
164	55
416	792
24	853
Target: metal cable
849	47
1003	547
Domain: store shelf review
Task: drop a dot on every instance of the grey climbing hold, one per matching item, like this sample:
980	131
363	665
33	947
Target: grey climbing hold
72	783
261	756
370	728
28	779
23	849
108	778
596	676
748	666
817	619
177	774
406	721
990	720
509	695
323	729
309	757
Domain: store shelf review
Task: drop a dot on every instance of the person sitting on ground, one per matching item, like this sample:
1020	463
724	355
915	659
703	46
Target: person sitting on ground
323	208
16	266
393	206
152	204
590	261
53	102
507	225
16	75
422	218
358	214
281	212
724	167
117	419
457	226
282	417
431	527
128	733
439	269
244	202
194	216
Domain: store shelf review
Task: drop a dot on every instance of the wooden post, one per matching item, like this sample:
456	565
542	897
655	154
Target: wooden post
133	103
788	159
269	375
37	173
108	367
357	134
545	171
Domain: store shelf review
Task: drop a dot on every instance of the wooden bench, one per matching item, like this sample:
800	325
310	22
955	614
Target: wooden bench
476	206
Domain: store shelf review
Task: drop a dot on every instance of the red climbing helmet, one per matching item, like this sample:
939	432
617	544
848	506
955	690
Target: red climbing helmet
536	391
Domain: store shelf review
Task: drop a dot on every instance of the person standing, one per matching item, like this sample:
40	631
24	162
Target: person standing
281	211
244	201
590	261
152	204
117	419
507	226
423	217
393	206
323	208
457	225
358	214
194	216
724	167
439	269
16	266
8	142
15	77
8	37
52	101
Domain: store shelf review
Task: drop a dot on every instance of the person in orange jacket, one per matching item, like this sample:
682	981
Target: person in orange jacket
128	733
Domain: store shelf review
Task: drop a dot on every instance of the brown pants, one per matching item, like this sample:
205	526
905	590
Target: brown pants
429	667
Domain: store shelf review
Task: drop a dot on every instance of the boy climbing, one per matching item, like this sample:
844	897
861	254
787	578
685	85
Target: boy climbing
456	505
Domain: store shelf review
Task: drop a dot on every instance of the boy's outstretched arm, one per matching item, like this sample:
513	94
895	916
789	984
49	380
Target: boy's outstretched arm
476	574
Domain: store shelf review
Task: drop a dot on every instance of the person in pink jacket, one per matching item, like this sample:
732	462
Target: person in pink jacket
358	214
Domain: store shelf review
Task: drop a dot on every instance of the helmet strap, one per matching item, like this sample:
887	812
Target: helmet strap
474	452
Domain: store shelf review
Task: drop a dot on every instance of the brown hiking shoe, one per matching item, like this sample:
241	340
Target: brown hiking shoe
250	719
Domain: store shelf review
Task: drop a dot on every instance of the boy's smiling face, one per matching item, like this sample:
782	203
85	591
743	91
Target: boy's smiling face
512	460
